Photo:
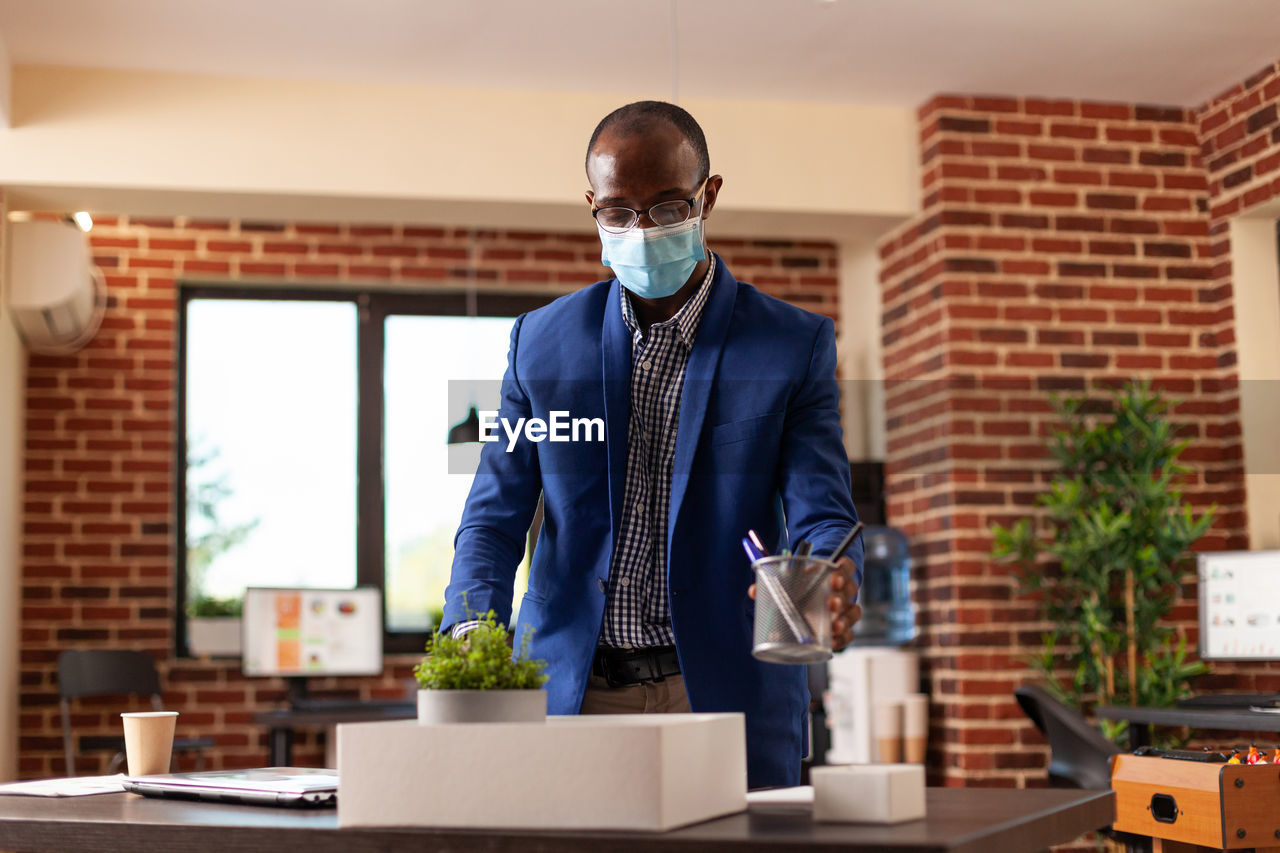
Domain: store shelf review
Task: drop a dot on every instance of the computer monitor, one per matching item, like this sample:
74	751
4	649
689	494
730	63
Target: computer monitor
1239	605
302	632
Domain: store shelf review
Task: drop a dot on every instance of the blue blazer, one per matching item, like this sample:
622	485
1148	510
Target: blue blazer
758	446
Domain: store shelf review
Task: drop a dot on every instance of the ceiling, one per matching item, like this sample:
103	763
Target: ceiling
882	52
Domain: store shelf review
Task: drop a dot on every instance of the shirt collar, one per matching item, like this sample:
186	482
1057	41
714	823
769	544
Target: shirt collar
686	319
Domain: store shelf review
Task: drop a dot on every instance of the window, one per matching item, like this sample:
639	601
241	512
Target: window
313	441
421	522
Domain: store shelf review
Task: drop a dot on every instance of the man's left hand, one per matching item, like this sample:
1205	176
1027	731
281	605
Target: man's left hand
843	602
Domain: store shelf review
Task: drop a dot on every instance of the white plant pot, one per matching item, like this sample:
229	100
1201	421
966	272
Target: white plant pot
436	707
213	635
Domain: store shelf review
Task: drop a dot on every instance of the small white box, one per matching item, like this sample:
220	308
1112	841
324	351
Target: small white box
626	771
868	793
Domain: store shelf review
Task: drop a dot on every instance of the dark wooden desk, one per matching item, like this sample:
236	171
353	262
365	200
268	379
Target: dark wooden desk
1219	719
961	820
281	723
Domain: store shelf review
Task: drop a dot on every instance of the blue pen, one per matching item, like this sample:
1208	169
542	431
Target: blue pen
753	553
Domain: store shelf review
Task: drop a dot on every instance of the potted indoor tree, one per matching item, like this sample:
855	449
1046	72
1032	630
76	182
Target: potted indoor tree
478	678
1107	557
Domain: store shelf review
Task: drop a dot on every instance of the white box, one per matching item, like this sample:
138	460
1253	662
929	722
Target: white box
626	771
868	793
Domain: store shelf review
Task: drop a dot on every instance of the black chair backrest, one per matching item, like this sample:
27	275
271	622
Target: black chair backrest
1079	754
102	672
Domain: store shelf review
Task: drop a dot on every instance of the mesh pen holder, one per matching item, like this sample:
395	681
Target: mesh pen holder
793	623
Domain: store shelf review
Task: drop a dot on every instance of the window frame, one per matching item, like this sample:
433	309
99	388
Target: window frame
373	307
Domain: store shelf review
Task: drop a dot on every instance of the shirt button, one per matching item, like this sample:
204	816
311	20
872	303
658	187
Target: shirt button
625	582
639	506
645	365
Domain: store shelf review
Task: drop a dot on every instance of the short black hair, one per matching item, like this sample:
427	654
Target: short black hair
641	115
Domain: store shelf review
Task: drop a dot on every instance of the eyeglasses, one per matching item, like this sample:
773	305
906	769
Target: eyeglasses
619	220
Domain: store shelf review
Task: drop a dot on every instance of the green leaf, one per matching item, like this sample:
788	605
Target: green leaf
481	659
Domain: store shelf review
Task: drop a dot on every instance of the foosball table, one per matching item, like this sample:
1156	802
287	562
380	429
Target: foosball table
1192	800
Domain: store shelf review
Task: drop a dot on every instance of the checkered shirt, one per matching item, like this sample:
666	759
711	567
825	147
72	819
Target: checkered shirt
637	613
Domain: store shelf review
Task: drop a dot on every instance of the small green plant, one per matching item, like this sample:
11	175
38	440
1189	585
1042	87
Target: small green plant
481	659
205	607
1108	561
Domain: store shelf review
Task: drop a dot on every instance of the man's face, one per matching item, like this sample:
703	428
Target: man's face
639	170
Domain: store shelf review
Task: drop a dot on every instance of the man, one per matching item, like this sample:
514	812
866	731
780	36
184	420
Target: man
720	414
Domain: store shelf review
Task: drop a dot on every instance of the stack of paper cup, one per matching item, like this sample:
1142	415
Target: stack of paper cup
902	729
888	732
148	741
915	727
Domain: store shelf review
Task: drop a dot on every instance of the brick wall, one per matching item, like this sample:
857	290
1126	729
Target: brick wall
1059	242
1240	148
98	537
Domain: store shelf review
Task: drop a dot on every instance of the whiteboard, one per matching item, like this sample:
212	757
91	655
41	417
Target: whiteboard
1239	605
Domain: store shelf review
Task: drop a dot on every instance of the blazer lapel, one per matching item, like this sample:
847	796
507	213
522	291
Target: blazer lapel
616	359
700	373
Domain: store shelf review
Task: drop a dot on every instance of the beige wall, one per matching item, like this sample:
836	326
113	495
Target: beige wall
860	352
12	362
193	144
5	88
1256	287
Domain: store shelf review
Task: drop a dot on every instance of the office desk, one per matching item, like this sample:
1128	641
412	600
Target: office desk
961	820
1221	719
281	723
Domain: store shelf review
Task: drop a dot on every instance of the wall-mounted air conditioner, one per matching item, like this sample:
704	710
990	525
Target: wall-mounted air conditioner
55	295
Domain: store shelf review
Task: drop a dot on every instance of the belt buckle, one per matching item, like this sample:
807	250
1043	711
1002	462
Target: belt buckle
606	664
628	671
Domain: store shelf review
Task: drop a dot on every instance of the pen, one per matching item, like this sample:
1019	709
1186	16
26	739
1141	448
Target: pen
839	552
846	542
795	620
791	614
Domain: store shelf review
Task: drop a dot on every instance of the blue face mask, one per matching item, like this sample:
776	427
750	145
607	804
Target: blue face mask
654	262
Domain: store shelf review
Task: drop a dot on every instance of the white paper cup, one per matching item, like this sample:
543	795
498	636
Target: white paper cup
888	732
915	727
148	741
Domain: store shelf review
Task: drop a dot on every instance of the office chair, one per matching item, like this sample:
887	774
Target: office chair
112	673
1080	757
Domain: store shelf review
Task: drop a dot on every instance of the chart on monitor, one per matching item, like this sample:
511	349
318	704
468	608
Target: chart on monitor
312	632
1240	605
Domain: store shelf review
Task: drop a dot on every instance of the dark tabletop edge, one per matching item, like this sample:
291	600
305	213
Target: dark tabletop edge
982	841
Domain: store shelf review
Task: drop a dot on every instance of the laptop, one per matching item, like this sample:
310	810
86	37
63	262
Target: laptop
269	786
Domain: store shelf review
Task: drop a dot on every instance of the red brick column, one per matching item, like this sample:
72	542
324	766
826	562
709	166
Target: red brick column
1059	243
1239	134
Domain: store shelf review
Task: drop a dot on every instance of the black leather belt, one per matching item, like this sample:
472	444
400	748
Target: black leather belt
627	667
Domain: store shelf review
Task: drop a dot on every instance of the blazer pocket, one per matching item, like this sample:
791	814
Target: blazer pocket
746	429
